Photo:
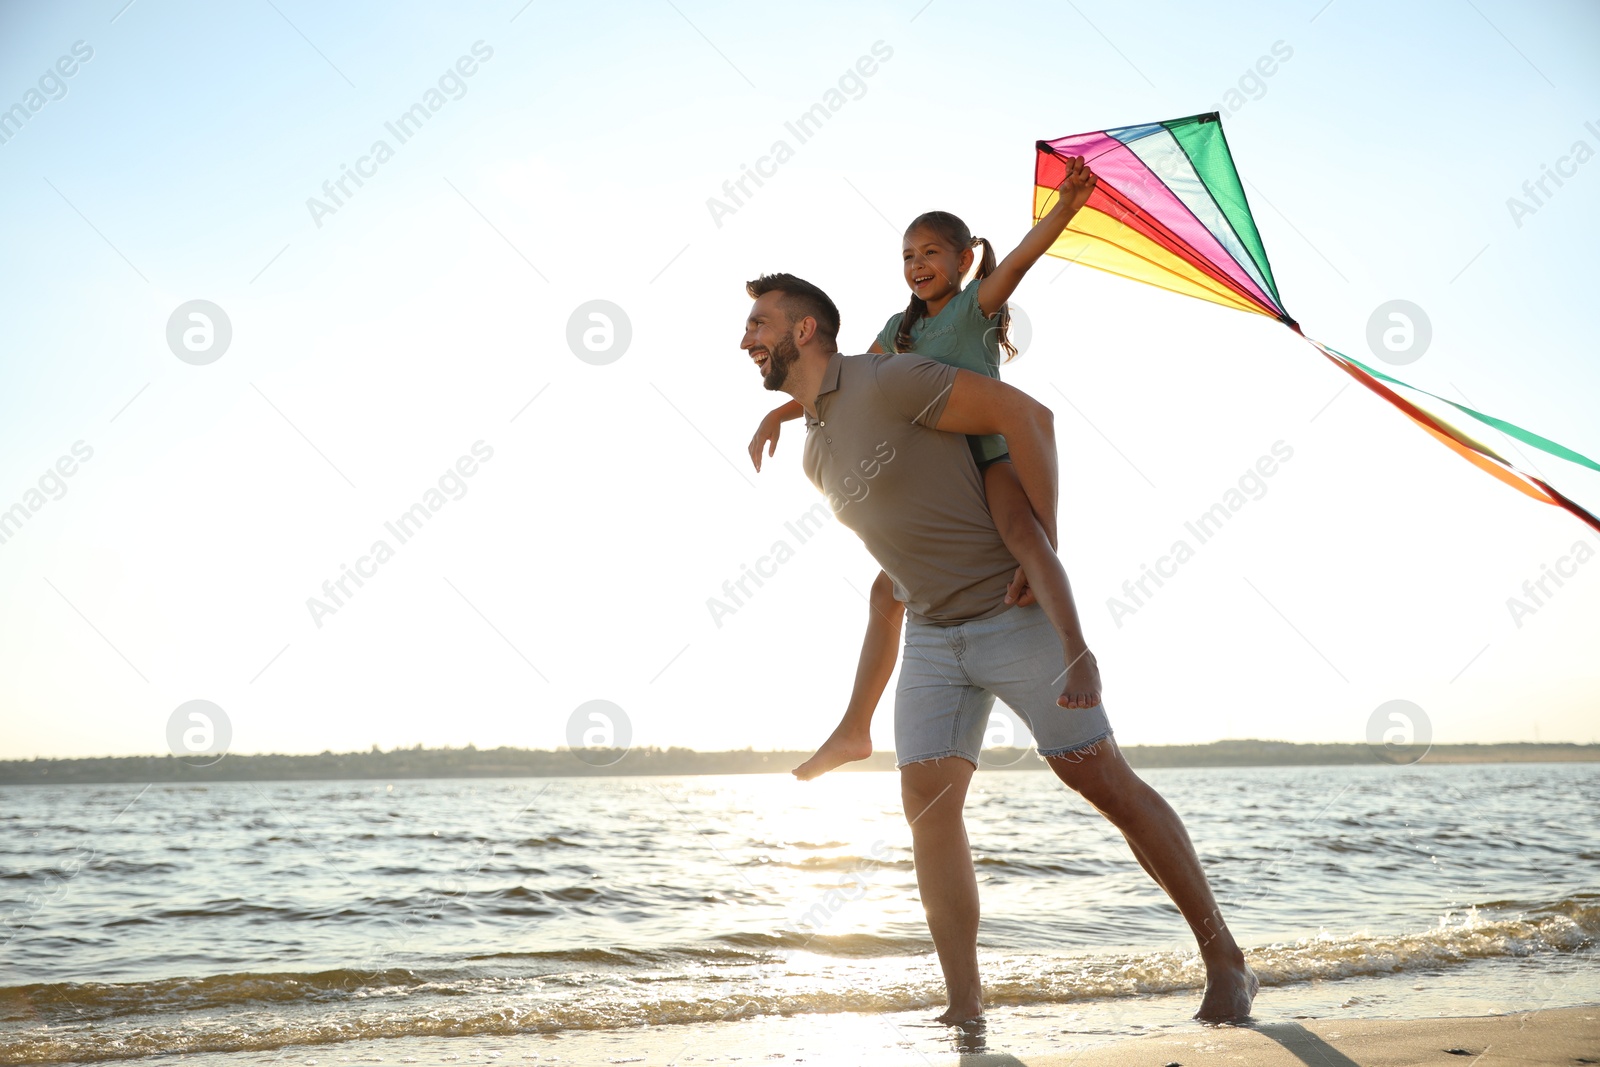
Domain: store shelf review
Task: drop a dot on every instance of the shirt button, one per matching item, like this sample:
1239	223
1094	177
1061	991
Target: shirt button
822	424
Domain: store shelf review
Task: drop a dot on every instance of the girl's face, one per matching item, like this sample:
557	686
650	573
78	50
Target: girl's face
933	269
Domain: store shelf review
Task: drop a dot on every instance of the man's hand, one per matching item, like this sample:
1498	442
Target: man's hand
766	434
1019	592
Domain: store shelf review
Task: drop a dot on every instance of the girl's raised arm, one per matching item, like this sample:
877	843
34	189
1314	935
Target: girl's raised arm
995	289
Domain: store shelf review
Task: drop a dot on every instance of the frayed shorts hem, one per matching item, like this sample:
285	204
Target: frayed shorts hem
1088	747
946	754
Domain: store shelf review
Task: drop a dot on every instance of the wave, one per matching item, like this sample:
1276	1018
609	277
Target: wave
552	841
1052	866
1568	926
829	863
842	946
104	868
744	976
100	1000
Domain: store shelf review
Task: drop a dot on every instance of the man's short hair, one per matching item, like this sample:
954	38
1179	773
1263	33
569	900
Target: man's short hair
801	298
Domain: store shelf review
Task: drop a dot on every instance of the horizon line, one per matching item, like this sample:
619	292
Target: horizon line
471	747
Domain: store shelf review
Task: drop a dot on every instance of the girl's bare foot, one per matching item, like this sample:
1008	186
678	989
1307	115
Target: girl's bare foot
1082	689
841	747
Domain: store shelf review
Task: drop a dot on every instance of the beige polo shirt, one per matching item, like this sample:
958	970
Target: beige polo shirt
911	493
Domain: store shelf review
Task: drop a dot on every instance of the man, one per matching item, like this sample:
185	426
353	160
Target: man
885	442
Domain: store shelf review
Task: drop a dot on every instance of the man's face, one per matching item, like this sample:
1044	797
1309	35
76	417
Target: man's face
769	338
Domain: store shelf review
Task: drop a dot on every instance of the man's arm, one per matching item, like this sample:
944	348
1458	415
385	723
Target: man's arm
979	405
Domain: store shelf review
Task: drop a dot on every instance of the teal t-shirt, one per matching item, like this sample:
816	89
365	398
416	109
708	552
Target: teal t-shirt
960	336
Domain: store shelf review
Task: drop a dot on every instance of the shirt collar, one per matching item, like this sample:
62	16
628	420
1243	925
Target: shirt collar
829	384
830	377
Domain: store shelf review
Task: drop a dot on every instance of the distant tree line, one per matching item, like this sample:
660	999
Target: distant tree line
470	762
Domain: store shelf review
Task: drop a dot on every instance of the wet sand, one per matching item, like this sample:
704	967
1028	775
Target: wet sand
1557	1037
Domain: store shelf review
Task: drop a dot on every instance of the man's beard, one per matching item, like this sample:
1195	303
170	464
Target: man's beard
783	355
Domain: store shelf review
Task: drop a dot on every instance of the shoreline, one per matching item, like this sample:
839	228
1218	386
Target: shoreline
1552	1037
774	1011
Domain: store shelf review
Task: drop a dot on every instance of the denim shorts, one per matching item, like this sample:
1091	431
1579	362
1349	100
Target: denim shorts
951	675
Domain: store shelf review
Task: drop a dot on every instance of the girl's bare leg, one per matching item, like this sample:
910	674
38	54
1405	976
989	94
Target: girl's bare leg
852	738
1026	539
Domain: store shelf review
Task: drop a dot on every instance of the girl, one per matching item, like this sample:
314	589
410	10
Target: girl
966	328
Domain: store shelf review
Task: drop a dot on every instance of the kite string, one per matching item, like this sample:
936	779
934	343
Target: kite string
1048	147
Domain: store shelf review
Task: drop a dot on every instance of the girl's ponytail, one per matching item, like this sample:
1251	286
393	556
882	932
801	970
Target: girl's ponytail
986	262
986	265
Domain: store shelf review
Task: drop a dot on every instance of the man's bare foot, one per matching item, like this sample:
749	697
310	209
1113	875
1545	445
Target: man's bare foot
1082	689
1230	990
840	748
965	1015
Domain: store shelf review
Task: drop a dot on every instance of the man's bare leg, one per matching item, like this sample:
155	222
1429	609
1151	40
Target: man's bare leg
1162	846
934	794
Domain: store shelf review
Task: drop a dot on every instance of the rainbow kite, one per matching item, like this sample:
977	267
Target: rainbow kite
1169	210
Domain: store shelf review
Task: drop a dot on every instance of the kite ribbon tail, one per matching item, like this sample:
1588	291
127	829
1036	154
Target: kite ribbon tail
1473	453
1562	500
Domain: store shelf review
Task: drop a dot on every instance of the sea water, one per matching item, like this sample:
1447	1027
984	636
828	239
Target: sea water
288	920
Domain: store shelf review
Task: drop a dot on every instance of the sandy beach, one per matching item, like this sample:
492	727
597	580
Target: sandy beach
1556	1037
1563	1036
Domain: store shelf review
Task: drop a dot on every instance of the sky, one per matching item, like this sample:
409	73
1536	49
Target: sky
419	337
